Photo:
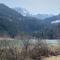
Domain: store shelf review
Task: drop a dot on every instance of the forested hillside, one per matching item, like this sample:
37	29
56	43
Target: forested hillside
13	23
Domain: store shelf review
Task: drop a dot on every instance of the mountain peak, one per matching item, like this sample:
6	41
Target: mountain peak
23	11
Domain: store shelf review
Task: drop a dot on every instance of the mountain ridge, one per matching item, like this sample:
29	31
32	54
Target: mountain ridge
13	23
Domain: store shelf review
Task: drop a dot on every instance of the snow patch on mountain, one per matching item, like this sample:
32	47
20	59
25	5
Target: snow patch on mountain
56	21
22	11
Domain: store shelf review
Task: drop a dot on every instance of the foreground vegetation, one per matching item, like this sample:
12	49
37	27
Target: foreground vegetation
27	50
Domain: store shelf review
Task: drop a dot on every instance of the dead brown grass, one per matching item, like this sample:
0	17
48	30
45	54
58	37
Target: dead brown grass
55	50
52	58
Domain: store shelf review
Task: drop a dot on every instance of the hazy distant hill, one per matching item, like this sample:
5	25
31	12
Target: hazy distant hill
42	16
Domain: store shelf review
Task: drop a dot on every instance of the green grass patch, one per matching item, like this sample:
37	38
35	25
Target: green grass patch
5	43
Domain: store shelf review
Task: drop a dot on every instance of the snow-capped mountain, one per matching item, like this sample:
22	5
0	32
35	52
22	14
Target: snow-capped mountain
13	23
22	11
25	12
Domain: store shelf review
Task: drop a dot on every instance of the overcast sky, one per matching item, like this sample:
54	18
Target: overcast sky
35	6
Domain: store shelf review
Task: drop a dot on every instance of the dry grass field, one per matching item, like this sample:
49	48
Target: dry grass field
18	50
52	58
54	48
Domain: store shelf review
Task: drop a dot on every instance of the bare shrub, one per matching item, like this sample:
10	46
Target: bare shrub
9	54
39	49
54	50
